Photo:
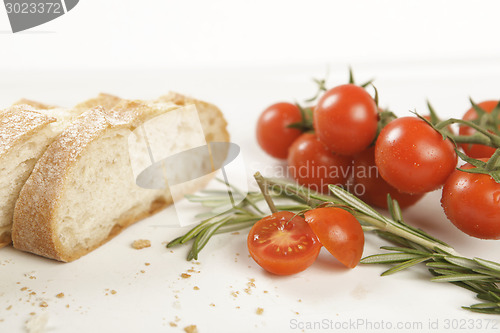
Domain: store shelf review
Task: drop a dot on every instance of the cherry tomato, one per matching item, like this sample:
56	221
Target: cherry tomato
273	135
471	201
476	150
313	165
283	243
345	119
339	232
413	157
370	187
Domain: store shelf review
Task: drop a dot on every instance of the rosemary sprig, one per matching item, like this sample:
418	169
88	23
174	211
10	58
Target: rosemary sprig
413	245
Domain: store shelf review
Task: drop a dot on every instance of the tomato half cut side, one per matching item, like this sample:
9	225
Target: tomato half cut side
283	243
339	232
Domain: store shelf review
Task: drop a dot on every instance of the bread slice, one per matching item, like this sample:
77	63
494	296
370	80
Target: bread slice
82	191
24	136
26	130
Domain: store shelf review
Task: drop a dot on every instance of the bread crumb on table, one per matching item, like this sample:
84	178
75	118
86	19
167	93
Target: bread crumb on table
60	295
43	304
113	292
191	329
185	275
259	311
172	324
141	244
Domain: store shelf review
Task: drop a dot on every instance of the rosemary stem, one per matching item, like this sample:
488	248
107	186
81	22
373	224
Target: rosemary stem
405	234
260	181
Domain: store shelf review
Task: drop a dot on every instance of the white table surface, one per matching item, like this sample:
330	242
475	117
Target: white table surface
149	298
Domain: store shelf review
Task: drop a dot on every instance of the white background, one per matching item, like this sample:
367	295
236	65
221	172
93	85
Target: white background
243	56
172	34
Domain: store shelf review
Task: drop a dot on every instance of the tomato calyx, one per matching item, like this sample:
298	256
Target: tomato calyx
486	127
306	123
489	121
491	167
321	89
352	81
321	83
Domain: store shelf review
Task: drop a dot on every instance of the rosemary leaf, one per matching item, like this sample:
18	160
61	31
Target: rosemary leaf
485	311
487	272
389	258
462	262
445	265
405	249
404	265
489	264
461	277
485	305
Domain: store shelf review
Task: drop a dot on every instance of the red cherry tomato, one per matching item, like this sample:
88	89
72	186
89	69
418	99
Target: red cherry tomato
370	187
273	135
311	164
476	150
283	243
339	232
471	201
345	119
413	157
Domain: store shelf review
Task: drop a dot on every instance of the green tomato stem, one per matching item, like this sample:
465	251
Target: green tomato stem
485	137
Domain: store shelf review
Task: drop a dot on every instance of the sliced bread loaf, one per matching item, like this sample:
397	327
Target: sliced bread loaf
82	191
26	130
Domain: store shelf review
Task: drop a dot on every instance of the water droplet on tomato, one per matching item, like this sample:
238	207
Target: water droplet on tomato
496	197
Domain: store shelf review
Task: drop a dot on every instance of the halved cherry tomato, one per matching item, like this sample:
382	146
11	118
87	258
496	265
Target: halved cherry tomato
345	119
273	134
313	165
370	187
472	202
283	243
339	232
476	150
413	157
